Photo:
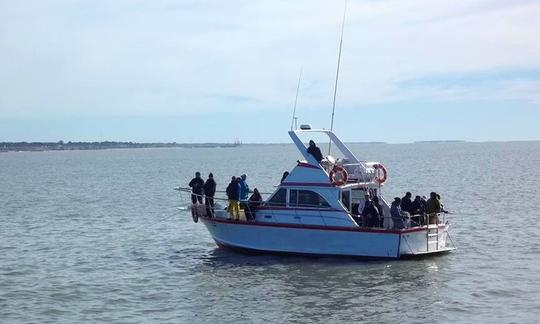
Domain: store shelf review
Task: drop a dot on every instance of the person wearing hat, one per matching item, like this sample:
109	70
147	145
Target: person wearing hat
209	192
196	185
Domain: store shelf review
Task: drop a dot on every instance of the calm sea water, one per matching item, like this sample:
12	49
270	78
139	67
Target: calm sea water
95	236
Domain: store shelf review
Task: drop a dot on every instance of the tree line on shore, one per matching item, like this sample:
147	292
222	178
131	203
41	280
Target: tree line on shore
65	146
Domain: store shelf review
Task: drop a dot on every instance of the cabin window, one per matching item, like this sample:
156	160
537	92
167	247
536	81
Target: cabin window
306	198
279	198
357	200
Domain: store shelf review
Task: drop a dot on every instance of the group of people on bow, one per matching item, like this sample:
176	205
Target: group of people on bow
206	189
237	195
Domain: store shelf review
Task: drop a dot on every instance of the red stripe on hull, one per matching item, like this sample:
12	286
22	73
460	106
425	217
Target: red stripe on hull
307	165
305	209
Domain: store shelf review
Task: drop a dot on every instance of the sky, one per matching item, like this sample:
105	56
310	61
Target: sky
220	71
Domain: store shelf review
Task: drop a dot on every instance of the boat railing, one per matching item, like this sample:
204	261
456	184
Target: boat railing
418	220
358	172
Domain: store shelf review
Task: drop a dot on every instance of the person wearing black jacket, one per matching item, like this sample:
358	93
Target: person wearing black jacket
370	214
253	203
233	194
209	192
418	208
196	185
406	203
315	151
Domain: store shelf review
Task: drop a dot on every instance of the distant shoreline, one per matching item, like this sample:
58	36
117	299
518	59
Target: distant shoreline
85	146
440	141
88	146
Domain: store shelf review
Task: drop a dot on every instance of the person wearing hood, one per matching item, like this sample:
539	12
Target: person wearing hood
315	151
244	188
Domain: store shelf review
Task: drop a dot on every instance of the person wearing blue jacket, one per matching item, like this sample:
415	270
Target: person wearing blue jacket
244	188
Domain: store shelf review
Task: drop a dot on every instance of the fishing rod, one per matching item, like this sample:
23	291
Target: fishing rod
189	190
337	74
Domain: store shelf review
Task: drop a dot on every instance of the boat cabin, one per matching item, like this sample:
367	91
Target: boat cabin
327	193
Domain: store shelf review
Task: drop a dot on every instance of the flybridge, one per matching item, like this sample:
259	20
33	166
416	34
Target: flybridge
344	150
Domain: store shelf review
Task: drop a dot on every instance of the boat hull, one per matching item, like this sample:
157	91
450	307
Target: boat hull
315	240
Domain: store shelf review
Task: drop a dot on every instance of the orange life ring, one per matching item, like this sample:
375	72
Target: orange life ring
380	179
338	175
194	214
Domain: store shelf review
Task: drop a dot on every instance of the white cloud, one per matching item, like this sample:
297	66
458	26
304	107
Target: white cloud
174	56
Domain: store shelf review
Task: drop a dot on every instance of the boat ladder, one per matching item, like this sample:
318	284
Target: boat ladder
432	236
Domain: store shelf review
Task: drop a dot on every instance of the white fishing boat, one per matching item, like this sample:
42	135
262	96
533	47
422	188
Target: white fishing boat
314	211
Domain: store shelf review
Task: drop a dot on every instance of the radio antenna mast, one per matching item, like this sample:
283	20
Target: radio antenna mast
337	74
294	118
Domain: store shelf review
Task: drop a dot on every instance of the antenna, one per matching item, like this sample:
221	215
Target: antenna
294	118
337	75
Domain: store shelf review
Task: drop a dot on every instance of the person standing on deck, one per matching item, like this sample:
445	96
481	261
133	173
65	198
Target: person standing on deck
406	202
196	185
380	211
418	209
315	151
397	215
209	192
433	207
233	194
370	214
417	206
253	203
423	201
244	188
